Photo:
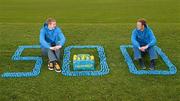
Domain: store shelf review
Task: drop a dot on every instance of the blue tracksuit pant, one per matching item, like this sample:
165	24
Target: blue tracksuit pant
151	51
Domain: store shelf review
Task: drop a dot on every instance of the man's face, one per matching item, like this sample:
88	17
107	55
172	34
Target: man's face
140	26
52	25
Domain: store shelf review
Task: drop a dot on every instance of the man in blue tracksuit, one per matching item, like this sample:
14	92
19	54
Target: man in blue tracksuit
51	41
143	41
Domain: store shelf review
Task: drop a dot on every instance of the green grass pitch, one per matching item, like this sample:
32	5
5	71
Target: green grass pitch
89	22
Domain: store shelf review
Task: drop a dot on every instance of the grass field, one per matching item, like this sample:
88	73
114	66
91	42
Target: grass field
89	22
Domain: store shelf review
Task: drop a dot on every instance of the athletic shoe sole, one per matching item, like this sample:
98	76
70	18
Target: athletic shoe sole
51	69
58	71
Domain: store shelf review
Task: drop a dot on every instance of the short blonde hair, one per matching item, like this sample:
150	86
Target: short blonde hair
142	21
49	20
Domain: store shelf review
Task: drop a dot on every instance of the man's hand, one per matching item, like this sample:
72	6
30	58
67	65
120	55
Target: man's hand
55	47
58	47
52	48
143	48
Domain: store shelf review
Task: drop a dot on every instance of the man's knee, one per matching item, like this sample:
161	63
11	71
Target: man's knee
152	52
137	53
44	51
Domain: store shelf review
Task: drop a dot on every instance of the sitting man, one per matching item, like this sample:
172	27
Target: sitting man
51	41
143	41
